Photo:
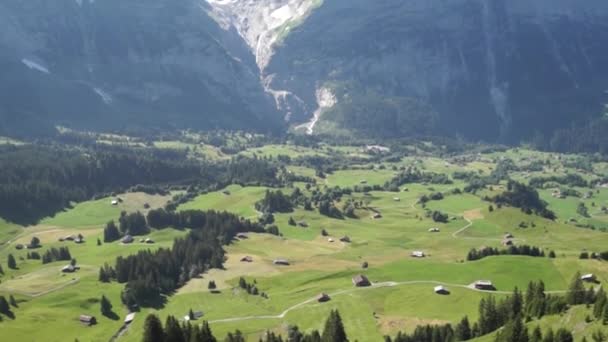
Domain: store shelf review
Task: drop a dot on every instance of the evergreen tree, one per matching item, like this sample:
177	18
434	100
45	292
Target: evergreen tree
12	263
4	307
173	331
563	335
111	232
552	254
98	242
514	331
537	335
106	306
191	314
212	285
600	302
599	336
1	270
205	333
236	337
334	329
153	329
576	291
12	301
463	330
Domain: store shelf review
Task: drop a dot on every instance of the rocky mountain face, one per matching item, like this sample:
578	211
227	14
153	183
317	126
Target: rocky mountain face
497	70
493	70
101	64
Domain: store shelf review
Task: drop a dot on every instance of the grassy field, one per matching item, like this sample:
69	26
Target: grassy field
401	298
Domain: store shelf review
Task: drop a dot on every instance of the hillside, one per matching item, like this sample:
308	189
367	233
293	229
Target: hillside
494	70
119	64
410	218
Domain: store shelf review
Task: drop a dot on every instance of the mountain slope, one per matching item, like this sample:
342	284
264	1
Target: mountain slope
494	70
114	63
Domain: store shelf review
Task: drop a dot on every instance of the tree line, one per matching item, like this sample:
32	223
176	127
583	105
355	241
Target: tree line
148	275
533	251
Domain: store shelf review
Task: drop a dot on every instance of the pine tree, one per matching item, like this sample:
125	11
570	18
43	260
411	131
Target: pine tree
537	335
12	301
173	332
549	336
599	336
576	291
153	329
4	307
1	270
563	335
513	331
191	314
205	334
212	285
463	330
106	306
98	242
600	303
334	329
12	263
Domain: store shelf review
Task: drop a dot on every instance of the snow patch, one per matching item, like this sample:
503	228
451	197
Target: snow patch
35	66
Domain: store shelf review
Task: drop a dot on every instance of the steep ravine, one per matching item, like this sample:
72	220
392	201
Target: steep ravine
262	24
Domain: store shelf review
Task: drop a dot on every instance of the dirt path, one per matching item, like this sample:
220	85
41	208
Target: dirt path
387	284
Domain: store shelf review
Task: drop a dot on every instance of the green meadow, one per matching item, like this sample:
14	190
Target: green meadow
401	298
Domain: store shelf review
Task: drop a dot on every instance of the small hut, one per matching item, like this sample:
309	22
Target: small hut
361	281
247	259
127	239
129	318
441	290
323	297
281	262
345	239
588	277
434	230
484	285
418	254
88	320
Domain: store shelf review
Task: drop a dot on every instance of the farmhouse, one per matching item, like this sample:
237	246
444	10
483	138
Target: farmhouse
363	181
242	236
376	216
226	192
441	290
129	318
345	239
247	259
69	268
396	199
303	224
148	240
484	285
88	320
127	239
418	254
508	236
281	262
361	281
330	240
588	277
323	297
79	239
434	230
114	202
195	315
507	242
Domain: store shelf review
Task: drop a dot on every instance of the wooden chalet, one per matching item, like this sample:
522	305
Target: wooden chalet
361	281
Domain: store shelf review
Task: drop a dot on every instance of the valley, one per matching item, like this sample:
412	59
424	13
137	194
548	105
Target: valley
385	226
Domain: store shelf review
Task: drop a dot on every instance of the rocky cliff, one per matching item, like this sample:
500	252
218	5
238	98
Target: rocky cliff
494	70
114	63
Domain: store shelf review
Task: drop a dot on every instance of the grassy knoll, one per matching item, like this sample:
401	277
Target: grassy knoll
99	212
240	201
8	231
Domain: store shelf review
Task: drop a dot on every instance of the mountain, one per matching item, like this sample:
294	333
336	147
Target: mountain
115	64
493	70
500	70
